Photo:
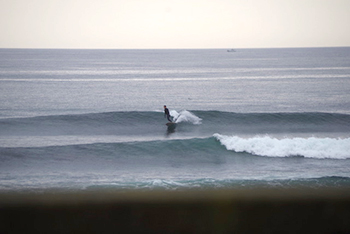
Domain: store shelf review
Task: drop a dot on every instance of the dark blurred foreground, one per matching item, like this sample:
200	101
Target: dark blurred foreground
209	211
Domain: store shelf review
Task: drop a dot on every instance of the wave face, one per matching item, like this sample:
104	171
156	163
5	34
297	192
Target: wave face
142	122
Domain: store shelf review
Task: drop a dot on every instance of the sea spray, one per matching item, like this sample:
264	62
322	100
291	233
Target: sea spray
312	147
185	116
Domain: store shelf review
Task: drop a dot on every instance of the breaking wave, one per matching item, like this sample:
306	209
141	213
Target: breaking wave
312	147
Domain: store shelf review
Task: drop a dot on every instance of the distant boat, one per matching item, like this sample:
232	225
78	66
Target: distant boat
231	50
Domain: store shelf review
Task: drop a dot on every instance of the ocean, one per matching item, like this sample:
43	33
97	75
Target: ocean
85	120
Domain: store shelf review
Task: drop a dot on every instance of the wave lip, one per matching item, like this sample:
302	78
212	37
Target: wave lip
313	147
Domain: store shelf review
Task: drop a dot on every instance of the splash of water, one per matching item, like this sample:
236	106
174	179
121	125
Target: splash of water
185	116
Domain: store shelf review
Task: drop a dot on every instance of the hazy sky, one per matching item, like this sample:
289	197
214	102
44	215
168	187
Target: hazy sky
123	24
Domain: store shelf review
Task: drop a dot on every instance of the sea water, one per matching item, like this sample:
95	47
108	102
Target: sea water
92	119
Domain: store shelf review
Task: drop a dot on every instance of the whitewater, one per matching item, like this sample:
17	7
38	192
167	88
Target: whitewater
91	119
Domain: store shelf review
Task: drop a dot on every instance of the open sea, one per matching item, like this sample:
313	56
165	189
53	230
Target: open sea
81	120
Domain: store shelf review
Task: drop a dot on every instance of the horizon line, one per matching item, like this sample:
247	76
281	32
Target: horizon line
214	48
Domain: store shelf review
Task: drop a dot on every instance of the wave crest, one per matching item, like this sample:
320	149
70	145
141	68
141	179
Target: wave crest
320	148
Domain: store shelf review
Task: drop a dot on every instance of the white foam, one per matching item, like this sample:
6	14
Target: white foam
312	147
185	116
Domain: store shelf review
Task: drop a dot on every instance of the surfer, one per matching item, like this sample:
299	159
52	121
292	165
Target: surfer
166	113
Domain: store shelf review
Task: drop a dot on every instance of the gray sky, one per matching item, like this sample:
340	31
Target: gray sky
123	24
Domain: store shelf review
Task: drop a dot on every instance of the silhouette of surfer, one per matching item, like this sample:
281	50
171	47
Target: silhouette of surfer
166	113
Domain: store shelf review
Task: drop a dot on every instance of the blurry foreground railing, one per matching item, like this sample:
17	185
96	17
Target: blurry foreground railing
209	211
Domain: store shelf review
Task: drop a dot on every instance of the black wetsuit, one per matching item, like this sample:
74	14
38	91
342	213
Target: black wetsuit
166	112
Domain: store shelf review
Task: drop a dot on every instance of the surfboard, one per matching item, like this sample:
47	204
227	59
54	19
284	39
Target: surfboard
171	125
